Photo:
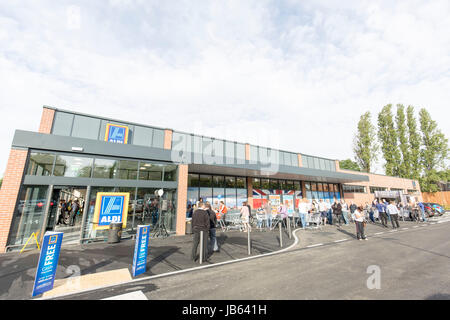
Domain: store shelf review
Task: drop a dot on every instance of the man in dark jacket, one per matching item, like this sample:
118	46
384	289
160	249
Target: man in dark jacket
73	213
200	222
337	211
213	246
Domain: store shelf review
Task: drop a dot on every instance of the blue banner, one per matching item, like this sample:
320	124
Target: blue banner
116	133
140	250
48	261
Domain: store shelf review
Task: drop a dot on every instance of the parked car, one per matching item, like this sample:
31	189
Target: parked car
433	209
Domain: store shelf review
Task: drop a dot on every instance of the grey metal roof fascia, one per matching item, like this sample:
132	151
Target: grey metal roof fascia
34	140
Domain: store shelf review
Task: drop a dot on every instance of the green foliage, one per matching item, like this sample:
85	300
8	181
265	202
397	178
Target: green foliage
405	164
364	145
414	145
387	135
349	165
434	152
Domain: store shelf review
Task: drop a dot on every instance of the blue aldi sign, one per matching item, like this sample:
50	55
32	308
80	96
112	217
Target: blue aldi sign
111	207
116	133
48	261
140	250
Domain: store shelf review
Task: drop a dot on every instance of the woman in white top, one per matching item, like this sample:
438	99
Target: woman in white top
245	217
344	211
359	218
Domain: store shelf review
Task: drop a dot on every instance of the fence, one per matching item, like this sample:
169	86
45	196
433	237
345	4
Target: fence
443	197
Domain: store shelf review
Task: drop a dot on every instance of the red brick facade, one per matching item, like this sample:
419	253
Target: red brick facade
46	120
182	198
168	139
9	192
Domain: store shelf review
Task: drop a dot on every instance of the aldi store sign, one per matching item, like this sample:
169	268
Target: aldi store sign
48	261
116	133
140	250
111	207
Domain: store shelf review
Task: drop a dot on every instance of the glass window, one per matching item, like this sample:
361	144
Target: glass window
105	168
230	192
316	163
308	186
322	164
283	185
294	159
263	156
297	186
240	152
265	184
287	159
29	214
241	196
62	124
193	180
207	148
218	181
241	182
158	138
253	154
40	164
181	141
218	190
218	148
230	182
275	184
150	171
85	127
143	136
206	188
73	167
256	183
127	170
229	152
170	172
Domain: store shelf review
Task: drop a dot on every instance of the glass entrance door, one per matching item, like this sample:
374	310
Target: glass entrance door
66	212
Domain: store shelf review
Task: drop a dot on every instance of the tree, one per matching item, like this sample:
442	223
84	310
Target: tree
349	165
434	152
388	139
405	163
365	146
414	145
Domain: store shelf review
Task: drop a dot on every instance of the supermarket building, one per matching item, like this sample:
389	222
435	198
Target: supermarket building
76	156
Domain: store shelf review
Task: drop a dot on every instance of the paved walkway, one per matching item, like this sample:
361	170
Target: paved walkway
165	255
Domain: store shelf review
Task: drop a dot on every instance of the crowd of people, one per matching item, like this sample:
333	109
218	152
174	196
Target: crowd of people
67	212
206	217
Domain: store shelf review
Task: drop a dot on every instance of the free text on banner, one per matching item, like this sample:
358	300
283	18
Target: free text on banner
140	250
48	262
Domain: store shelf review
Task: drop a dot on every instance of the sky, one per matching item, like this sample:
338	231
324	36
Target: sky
293	75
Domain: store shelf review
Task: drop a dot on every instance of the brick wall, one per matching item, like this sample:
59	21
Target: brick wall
9	192
300	161
46	120
182	199
168	139
247	151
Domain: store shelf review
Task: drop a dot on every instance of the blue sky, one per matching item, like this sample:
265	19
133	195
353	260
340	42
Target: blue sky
294	75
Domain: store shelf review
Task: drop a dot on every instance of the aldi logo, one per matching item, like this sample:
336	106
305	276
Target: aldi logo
111	207
53	239
116	133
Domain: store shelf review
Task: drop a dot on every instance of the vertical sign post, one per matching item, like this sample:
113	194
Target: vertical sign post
140	250
48	261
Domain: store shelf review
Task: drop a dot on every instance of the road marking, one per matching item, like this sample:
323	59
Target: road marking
315	245
378	233
433	223
163	275
340	240
415	226
136	295
405	228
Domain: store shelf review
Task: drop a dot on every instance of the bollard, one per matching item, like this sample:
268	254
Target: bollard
249	242
201	247
281	236
289	227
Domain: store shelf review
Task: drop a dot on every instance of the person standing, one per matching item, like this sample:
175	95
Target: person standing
381	207
282	210
345	208
323	211
213	246
337	211
268	211
61	212
303	208
245	216
422	210
329	212
200	222
392	210
370	209
73	212
358	217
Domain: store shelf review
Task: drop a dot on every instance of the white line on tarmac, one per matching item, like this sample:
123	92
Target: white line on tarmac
378	233
315	245
180	271
340	240
405	228
415	226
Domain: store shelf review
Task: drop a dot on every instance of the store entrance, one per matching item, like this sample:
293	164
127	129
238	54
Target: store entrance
66	212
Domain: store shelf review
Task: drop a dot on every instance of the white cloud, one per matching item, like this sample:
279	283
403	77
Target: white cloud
299	73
